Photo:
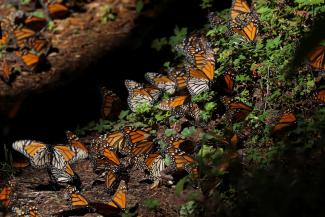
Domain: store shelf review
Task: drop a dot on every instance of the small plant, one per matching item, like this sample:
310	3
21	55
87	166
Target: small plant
152	203
188	209
206	4
177	38
107	14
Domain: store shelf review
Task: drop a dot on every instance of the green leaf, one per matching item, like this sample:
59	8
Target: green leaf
139	6
178	37
123	114
188	131
159	43
170	132
180	185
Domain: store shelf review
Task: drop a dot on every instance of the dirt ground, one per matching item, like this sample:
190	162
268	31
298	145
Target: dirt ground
78	41
31	189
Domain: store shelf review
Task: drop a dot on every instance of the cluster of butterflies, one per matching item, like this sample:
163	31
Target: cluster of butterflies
198	75
24	45
112	155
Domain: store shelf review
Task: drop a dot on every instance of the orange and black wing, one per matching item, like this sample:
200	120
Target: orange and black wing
77	146
161	82
110	102
111	179
112	157
142	148
319	96
119	198
5	196
36	152
116	141
239	7
316	58
237	111
226	82
57	11
173	102
133	136
29	61
179	77
76	198
249	31
35	23
184	162
287	119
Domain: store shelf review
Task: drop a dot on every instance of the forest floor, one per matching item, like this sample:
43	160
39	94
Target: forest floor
78	40
32	189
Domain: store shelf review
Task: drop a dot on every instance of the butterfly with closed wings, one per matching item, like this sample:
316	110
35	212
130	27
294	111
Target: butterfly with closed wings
141	94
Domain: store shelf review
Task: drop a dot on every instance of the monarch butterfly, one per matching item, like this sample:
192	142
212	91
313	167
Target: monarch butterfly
134	136
139	94
6	25
178	75
35	23
173	102
190	109
226	82
65	175
201	56
144	147
75	144
7	69
236	111
139	140
154	163
39	45
43	155
183	161
244	20
239	7
198	80
161	82
215	20
287	119
109	100
319	96
119	198
115	141
17	37
116	170
76	199
55	10
316	58
29	60
175	144
6	194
